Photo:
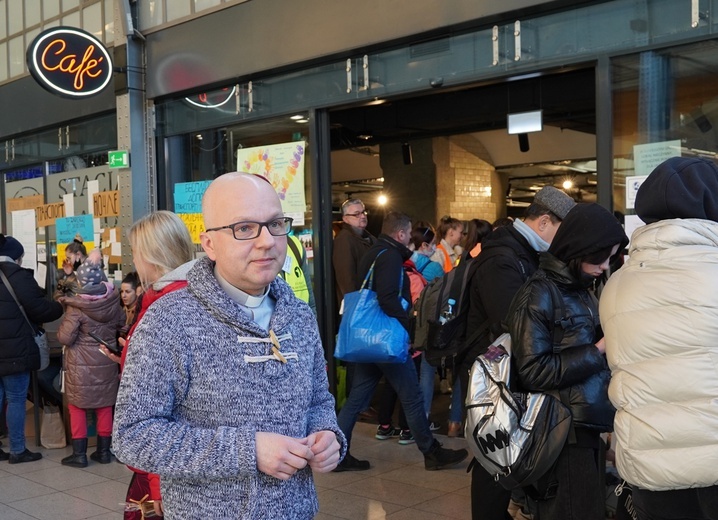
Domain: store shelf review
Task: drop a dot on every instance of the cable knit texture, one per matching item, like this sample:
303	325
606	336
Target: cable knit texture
193	395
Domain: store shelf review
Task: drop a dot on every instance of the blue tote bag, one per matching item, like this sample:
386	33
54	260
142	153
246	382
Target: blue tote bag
366	333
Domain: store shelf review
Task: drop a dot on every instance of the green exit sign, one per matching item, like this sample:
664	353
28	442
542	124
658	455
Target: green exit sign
118	159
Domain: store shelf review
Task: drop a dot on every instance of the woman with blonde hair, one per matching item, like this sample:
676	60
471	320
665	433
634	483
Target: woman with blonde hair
162	252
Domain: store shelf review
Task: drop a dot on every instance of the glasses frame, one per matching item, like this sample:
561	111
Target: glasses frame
287	222
357	215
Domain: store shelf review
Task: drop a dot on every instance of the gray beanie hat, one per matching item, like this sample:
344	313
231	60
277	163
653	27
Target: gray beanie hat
554	200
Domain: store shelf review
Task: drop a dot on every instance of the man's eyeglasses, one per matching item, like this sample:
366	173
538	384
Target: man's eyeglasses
248	230
358	214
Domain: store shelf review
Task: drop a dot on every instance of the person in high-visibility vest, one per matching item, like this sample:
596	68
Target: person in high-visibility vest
296	272
450	233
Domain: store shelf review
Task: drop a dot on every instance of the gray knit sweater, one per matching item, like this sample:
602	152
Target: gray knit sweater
198	383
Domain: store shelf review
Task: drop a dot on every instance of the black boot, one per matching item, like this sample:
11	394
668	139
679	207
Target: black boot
439	457
102	453
78	459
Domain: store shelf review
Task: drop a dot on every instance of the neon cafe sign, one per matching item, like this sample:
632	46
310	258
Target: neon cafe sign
69	62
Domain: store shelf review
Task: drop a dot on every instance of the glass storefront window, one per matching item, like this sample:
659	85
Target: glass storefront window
276	148
665	103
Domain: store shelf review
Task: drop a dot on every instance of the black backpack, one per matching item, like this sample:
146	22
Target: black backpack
440	340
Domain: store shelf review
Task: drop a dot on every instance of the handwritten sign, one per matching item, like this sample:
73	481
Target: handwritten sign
68	227
106	204
29	202
188	196
47	213
194	223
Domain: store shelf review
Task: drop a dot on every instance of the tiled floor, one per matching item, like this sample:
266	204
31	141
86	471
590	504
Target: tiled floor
397	487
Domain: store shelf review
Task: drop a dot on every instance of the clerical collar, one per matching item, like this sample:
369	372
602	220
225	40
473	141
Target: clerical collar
238	295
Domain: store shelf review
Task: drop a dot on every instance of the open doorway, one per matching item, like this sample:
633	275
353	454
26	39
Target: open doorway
562	154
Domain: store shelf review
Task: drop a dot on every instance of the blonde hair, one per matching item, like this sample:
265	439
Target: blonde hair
162	239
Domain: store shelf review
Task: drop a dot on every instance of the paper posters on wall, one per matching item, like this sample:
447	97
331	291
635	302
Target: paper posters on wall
67	228
41	274
188	205
23	229
283	165
29	202
69	200
632	185
111	244
188	196
631	224
194	223
47	213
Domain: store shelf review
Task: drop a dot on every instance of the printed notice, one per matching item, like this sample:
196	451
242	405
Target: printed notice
647	156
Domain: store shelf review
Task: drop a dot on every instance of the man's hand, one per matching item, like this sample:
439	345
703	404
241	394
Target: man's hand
326	451
280	456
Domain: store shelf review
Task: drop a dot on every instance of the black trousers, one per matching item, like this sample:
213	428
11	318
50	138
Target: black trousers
679	504
489	500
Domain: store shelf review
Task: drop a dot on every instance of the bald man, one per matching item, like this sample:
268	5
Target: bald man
225	393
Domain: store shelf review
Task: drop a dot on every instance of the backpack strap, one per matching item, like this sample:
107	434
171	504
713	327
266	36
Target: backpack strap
299	255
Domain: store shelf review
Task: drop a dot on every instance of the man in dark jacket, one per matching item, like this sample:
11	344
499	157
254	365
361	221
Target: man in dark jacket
350	244
509	256
393	293
19	354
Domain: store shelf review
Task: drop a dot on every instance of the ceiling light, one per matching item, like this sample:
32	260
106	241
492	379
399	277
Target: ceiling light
567	184
382	200
301	120
365	136
294	118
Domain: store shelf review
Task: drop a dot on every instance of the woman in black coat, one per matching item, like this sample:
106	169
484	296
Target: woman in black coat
570	360
19	353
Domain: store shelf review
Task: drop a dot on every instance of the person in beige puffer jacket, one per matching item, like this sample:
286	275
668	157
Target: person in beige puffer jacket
90	378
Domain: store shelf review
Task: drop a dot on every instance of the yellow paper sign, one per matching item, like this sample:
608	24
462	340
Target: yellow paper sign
47	213
194	223
106	204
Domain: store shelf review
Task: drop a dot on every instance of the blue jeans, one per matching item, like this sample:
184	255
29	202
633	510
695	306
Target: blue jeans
426	380
14	389
402	377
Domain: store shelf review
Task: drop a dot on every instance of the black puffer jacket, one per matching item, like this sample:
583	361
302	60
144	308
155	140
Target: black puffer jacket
577	369
18	351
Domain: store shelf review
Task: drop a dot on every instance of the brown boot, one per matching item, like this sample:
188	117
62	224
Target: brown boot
454	429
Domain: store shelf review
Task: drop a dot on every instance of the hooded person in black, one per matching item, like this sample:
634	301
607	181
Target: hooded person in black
571	361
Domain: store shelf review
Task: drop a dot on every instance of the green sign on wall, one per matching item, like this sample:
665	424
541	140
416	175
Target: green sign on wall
118	159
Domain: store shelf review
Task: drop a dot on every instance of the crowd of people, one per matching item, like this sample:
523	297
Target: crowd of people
208	377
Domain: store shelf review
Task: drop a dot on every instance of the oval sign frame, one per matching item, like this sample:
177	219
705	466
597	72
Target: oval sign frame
75	44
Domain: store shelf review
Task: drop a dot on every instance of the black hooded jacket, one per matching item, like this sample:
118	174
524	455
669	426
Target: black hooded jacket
389	275
576	368
18	351
506	261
